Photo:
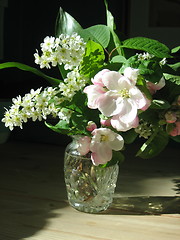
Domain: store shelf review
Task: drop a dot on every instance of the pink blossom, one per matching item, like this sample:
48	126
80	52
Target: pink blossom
170	117
106	122
84	145
97	80
95	92
176	130
153	87
123	126
91	126
103	142
131	74
120	100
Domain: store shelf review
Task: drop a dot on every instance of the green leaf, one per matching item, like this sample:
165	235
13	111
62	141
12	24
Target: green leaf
118	59
98	33
24	67
173	69
66	24
141	83
175	50
160	104
151	71
112	27
172	78
63	71
154	145
61	127
171	91
93	59
148	45
117	157
79	122
176	138
129	136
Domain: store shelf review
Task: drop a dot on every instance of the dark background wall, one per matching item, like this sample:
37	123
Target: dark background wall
25	26
27	23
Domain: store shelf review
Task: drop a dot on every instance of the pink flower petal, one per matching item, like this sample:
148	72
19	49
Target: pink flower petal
107	105
101	155
127	110
117	144
123	126
93	92
84	145
131	74
110	80
97	80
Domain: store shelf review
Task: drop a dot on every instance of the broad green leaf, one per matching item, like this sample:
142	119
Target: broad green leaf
171	90
93	59
129	136
147	45
154	145
150	116
61	127
24	67
175	50
176	138
66	24
151	71
112	27
175	66
141	83
79	122
98	33
172	78
119	59
64	128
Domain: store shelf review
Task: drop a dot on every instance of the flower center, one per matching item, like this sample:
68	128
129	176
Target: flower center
124	93
104	138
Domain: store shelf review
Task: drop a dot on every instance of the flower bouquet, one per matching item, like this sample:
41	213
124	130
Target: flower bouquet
109	91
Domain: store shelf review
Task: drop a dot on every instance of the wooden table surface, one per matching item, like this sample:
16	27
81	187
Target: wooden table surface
33	202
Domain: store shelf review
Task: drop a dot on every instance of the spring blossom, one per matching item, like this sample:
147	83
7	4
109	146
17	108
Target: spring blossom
101	144
116	96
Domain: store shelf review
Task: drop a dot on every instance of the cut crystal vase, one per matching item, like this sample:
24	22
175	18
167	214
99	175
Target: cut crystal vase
90	188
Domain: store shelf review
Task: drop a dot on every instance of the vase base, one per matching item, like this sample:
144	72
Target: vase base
89	209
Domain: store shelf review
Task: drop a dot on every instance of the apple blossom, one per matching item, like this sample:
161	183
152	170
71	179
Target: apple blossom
105	122
131	74
170	117
120	100
153	87
84	145
98	77
103	142
176	130
91	126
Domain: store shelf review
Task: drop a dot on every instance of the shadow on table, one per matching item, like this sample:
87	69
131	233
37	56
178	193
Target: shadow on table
144	205
32	189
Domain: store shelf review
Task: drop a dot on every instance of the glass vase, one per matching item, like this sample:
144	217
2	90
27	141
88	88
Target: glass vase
90	188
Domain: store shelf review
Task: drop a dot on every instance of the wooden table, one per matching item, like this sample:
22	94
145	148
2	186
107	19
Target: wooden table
33	202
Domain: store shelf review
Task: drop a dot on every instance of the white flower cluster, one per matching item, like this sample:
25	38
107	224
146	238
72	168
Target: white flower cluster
36	105
144	56
148	56
66	49
144	129
65	114
72	83
163	62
